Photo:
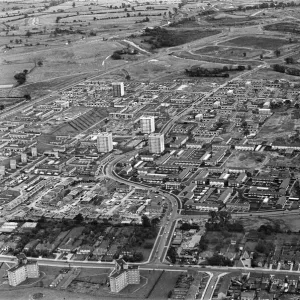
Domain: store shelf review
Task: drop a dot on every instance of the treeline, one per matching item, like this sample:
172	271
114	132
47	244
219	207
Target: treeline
214	72
286	70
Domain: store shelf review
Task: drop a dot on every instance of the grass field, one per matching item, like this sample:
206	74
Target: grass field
257	42
230	52
164	286
9	70
229	16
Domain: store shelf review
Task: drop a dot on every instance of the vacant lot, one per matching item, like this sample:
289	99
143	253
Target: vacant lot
246	159
256	42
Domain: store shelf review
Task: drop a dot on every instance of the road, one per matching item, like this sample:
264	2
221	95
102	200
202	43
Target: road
160	246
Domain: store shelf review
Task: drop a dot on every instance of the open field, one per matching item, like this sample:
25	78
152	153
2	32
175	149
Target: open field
286	222
215	59
257	42
247	159
271	75
84	56
9	70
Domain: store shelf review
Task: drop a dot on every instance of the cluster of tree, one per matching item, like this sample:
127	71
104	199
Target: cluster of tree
265	5
264	247
21	77
17	41
171	254
118	53
220	221
230	227
163	38
289	60
219	260
135	257
183	21
284	27
297	188
188	226
214	72
287	70
269	229
145	20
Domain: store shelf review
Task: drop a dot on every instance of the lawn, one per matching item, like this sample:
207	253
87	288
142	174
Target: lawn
256	42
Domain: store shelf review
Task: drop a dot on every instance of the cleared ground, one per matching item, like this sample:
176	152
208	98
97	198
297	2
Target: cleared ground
278	125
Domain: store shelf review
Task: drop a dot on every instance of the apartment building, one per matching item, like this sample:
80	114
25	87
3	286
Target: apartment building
104	142
147	124
156	143
23	270
123	275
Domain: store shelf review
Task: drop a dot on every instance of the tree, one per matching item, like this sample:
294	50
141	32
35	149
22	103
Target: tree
20	77
154	222
172	255
27	97
39	63
289	60
79	218
146	221
28	34
116	56
2	106
277	52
